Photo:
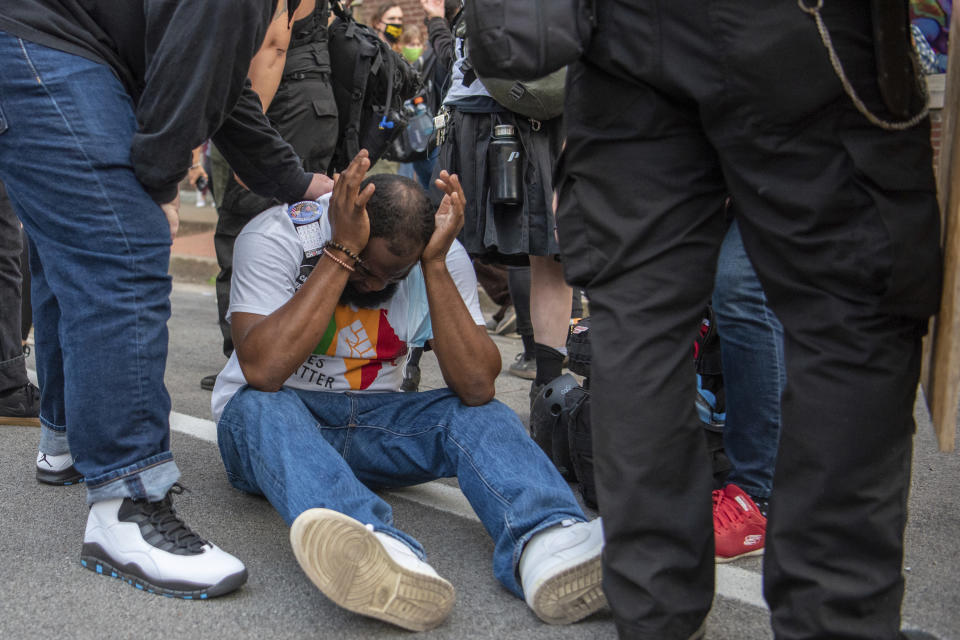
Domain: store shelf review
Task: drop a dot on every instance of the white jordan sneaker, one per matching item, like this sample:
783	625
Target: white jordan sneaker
148	546
58	470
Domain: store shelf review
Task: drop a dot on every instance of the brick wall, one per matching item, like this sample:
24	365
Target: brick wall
936	129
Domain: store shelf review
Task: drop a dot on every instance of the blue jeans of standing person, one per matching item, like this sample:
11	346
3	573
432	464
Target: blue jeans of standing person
100	251
751	345
306	449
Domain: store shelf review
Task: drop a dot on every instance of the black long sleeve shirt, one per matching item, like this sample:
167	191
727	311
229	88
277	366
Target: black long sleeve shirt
184	64
441	39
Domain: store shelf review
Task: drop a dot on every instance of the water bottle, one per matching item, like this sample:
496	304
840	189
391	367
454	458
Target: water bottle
420	126
504	161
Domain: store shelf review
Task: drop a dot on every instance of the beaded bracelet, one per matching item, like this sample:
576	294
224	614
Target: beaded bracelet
340	262
347	252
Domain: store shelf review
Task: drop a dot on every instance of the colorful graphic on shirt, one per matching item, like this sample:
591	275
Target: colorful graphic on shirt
365	340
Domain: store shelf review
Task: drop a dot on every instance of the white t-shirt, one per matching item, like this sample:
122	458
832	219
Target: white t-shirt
362	350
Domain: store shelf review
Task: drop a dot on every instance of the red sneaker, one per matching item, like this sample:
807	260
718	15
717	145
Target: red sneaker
739	529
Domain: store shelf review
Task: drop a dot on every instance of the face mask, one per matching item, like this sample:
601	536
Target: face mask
412	53
392	32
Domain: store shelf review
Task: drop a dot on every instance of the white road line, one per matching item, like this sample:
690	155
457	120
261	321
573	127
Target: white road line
438	496
196	427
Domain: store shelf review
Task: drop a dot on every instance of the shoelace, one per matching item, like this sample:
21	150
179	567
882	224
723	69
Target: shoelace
727	512
165	519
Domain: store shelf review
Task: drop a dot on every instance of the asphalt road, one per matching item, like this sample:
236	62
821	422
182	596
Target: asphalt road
45	592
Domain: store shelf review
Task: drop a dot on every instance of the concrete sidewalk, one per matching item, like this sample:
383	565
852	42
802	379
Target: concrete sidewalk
192	257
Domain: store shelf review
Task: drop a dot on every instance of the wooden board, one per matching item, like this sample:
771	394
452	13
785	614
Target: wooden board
941	375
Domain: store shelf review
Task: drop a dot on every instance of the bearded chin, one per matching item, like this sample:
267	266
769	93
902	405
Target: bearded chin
367	300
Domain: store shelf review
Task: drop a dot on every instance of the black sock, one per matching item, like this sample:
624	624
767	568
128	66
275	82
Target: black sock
549	364
763	504
529	347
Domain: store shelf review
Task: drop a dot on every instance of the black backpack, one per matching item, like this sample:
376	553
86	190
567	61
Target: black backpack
539	98
528	39
370	83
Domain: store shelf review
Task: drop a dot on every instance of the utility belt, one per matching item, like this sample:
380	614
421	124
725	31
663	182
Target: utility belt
308	61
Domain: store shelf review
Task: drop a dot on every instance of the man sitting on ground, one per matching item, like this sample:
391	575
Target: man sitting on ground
299	424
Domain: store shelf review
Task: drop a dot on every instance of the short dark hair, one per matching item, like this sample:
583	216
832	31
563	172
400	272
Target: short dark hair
399	211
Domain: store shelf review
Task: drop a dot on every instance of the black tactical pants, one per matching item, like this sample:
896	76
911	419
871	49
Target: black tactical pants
679	105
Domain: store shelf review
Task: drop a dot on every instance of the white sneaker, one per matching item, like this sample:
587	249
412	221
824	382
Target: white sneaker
369	573
560	571
57	470
147	545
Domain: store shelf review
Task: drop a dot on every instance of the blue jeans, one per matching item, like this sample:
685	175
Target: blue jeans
754	375
306	449
100	251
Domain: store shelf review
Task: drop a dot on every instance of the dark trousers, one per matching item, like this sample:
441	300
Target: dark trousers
678	105
13	371
238	207
519	280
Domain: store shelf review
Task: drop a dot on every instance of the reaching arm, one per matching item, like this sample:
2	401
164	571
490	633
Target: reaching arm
469	360
441	40
266	68
190	83
270	348
190	94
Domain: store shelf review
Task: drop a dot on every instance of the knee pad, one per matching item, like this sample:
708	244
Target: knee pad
548	422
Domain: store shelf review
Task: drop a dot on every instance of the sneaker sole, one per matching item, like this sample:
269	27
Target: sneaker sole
506	327
94	558
520	373
11	421
63	478
748	554
571	595
350	566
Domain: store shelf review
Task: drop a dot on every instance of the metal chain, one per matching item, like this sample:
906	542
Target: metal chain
814	11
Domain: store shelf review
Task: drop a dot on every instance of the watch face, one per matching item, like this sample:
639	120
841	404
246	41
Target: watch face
304	212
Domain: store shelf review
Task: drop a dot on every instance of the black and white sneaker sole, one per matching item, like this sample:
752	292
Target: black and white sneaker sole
93	557
62	478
